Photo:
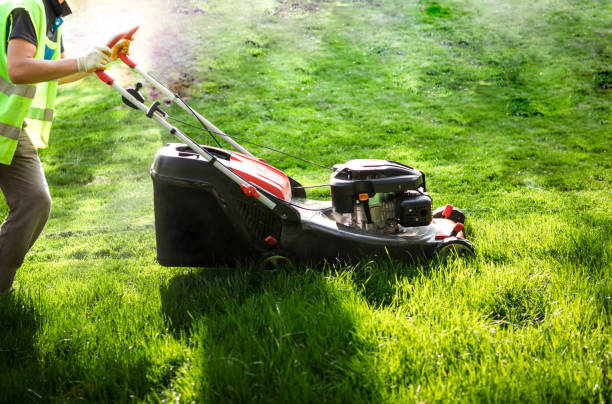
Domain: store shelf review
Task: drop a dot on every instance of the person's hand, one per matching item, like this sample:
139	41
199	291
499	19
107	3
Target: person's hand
95	59
123	46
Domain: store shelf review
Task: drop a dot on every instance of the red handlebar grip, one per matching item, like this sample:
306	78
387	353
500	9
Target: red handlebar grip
127	60
130	33
116	39
105	77
124	35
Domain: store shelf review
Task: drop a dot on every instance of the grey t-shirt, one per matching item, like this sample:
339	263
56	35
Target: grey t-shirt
23	28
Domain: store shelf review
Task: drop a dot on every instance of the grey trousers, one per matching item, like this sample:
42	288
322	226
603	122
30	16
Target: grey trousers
25	189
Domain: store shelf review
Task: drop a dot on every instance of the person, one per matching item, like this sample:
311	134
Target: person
32	64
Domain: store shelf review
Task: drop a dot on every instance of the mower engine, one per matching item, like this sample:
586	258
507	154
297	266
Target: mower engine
379	195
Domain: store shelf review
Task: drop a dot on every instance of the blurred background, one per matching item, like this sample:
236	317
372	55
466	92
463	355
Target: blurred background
164	35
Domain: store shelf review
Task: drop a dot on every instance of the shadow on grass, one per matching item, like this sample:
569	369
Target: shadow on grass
376	280
19	322
292	336
50	356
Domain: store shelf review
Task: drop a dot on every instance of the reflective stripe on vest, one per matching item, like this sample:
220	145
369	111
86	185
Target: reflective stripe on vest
40	114
10	131
22	90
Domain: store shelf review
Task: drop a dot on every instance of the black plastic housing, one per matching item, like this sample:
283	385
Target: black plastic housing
413	208
371	176
201	217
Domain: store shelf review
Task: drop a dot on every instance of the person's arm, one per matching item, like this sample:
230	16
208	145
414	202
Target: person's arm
23	68
73	77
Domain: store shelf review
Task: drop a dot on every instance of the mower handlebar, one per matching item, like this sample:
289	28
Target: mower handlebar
129	34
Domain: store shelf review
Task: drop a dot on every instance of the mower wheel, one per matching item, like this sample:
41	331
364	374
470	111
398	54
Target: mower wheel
456	216
454	247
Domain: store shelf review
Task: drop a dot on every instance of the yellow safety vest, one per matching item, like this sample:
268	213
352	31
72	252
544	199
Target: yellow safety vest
32	104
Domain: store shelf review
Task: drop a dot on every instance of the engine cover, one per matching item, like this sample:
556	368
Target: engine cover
413	208
368	176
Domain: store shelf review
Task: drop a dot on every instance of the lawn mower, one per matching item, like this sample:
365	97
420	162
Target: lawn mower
216	207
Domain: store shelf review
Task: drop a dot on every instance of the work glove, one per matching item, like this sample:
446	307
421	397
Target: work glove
95	59
123	46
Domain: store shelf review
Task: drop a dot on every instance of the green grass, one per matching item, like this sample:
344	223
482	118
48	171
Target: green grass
505	106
